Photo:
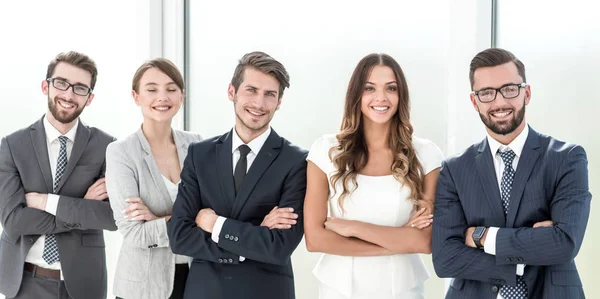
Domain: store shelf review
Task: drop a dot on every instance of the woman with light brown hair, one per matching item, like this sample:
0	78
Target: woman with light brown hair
142	180
377	182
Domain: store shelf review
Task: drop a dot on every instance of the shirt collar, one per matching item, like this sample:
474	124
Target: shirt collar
516	145
52	133
255	145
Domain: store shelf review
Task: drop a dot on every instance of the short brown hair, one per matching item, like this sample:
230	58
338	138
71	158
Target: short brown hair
77	59
264	63
165	66
494	57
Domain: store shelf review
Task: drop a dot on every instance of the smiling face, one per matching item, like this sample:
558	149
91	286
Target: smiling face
502	117
158	96
66	106
379	100
255	101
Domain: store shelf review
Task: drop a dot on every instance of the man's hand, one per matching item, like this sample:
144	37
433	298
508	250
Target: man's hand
138	211
547	223
36	200
469	237
97	191
280	218
206	219
342	227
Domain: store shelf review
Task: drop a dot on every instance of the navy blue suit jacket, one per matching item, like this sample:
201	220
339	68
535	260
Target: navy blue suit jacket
551	183
277	177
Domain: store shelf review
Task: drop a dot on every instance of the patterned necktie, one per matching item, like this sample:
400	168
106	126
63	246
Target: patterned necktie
240	168
50	254
520	290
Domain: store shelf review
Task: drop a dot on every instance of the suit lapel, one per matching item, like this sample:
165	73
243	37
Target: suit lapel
263	160
527	161
487	176
154	171
81	140
225	170
40	146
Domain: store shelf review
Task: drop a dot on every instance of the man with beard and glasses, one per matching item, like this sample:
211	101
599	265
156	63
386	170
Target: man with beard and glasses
510	211
238	212
53	201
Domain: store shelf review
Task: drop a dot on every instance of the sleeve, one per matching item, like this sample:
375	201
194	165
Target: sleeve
429	154
121	184
16	218
319	153
185	237
569	210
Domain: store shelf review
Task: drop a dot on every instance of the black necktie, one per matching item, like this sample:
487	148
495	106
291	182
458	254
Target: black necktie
241	166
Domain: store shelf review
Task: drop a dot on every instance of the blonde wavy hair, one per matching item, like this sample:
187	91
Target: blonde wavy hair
351	154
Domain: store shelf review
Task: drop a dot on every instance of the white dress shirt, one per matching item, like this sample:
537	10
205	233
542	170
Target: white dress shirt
517	147
35	253
255	145
173	188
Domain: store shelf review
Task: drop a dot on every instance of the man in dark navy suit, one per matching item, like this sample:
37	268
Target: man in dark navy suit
510	211
238	212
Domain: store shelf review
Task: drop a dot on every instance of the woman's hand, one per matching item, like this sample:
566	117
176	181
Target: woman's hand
138	211
420	219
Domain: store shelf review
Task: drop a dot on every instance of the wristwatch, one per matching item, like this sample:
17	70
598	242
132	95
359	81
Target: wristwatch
477	235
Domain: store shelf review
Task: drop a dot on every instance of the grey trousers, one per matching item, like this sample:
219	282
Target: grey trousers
41	287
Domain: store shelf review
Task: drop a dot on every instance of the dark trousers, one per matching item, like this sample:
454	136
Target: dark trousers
33	287
181	274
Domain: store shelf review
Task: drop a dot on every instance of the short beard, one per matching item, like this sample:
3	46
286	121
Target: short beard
52	106
514	123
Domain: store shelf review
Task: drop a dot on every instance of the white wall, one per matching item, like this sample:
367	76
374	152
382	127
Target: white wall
320	43
559	44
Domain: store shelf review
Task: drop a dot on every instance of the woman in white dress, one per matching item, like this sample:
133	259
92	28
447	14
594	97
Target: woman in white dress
377	181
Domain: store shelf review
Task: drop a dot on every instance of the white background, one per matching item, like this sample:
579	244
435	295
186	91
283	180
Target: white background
320	43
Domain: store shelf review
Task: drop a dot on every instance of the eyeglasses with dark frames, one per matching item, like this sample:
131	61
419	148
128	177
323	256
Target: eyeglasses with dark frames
78	89
508	91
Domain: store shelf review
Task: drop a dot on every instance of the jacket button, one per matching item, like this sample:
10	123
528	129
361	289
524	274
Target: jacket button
235	239
150	246
230	261
508	259
231	238
155	245
495	289
227	236
31	240
220	260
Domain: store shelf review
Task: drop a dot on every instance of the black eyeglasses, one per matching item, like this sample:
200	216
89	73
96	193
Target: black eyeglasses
508	91
78	89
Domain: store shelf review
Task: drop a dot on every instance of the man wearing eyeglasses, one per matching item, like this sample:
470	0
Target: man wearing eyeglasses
510	211
53	202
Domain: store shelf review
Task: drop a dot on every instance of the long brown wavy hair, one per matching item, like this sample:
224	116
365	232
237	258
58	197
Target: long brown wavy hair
352	153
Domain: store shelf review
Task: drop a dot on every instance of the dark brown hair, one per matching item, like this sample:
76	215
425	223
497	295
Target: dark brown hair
494	57
264	63
77	59
165	66
352	153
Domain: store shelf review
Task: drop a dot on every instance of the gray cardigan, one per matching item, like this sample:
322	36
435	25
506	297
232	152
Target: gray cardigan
146	265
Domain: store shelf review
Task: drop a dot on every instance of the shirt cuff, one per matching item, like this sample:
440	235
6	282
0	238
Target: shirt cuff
243	259
489	246
52	204
520	269
216	231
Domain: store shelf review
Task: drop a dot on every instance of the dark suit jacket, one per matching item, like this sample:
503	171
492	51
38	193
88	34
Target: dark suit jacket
78	224
277	177
551	183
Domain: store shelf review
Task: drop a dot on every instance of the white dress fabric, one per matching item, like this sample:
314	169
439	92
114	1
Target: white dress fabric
379	200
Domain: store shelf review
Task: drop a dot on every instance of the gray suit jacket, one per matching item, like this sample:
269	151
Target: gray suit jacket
146	265
78	224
